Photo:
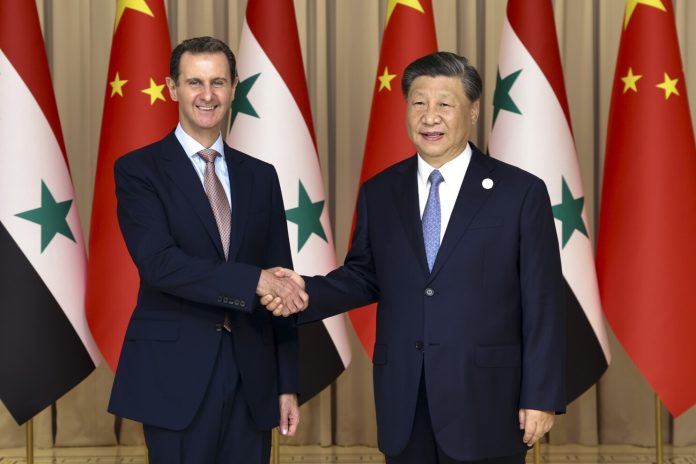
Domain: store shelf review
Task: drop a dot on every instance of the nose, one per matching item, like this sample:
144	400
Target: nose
431	115
207	92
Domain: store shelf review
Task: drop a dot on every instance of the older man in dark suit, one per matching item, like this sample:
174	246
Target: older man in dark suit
459	250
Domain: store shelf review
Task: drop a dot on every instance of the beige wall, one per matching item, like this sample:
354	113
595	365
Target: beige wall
340	41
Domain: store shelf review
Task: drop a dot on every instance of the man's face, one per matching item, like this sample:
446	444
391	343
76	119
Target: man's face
204	91
439	118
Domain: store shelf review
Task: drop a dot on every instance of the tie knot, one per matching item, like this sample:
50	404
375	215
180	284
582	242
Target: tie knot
208	155
435	178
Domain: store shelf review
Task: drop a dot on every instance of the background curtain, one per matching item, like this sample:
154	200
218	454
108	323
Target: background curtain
340	43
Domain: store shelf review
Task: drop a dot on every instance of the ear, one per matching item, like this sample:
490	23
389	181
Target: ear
171	85
475	108
234	86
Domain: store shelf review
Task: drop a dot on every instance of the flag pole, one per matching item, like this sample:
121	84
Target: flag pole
275	447
537	452
30	441
146	457
658	429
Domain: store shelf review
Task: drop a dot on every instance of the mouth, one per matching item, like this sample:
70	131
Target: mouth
432	136
207	107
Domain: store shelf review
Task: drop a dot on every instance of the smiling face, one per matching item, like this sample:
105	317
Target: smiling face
204	90
439	118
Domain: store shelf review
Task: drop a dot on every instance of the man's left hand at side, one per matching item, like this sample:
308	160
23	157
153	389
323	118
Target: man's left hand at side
535	424
289	414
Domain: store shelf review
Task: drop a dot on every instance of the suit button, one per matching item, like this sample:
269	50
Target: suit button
419	345
242	303
219	299
236	302
429	291
225	300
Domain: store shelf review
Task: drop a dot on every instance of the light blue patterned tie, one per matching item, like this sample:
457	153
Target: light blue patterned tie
431	218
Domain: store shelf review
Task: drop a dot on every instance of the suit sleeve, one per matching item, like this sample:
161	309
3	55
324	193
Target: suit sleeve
164	265
543	311
350	286
284	329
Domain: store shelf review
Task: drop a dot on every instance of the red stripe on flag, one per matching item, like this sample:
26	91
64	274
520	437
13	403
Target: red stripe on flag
278	37
532	21
22	42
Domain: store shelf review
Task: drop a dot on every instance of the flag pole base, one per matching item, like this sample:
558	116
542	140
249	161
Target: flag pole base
658	430
275	446
30	441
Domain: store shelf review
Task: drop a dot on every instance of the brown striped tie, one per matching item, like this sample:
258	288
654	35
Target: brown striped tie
217	197
219	205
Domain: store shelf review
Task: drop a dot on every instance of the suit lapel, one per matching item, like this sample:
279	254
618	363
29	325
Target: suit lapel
241	183
472	195
185	178
406	201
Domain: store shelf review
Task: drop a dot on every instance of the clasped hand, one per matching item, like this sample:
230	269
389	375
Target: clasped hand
282	291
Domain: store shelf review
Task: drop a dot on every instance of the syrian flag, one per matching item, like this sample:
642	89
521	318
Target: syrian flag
272	120
531	129
45	345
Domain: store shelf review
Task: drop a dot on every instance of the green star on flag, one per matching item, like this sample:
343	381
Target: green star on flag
307	216
569	212
501	97
241	103
50	216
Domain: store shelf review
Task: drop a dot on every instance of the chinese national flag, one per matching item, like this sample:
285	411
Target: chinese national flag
137	111
409	33
646	257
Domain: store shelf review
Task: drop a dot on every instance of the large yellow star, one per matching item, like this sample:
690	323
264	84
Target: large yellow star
117	85
631	6
669	86
630	80
415	4
154	91
137	5
385	80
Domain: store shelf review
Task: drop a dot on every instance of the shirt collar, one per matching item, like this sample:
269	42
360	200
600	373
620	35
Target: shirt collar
192	146
452	171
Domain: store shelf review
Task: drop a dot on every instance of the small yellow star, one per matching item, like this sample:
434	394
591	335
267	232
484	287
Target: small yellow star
117	85
669	86
154	91
630	80
631	6
415	4
385	80
137	5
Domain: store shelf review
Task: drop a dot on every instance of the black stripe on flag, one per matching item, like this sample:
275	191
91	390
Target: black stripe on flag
585	360
41	355
320	363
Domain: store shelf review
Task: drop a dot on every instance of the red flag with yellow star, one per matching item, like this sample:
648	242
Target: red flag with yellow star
137	111
409	33
646	257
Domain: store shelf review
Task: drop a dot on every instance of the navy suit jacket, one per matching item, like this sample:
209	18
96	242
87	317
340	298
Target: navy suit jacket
486	326
186	285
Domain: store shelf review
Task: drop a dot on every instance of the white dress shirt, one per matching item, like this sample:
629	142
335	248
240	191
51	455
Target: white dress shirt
453	174
192	147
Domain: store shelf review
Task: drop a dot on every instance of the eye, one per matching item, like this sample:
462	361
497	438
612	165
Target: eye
219	83
418	103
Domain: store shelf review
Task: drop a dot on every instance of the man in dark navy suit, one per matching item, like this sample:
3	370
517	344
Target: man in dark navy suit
205	369
460	252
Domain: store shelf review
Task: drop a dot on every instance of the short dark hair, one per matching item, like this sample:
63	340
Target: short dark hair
198	45
444	64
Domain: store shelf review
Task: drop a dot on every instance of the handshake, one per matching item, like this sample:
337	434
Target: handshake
282	291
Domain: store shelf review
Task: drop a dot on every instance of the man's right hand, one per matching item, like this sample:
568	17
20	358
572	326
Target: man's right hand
276	303
282	291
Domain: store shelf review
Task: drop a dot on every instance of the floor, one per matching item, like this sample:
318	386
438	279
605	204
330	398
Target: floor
570	454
